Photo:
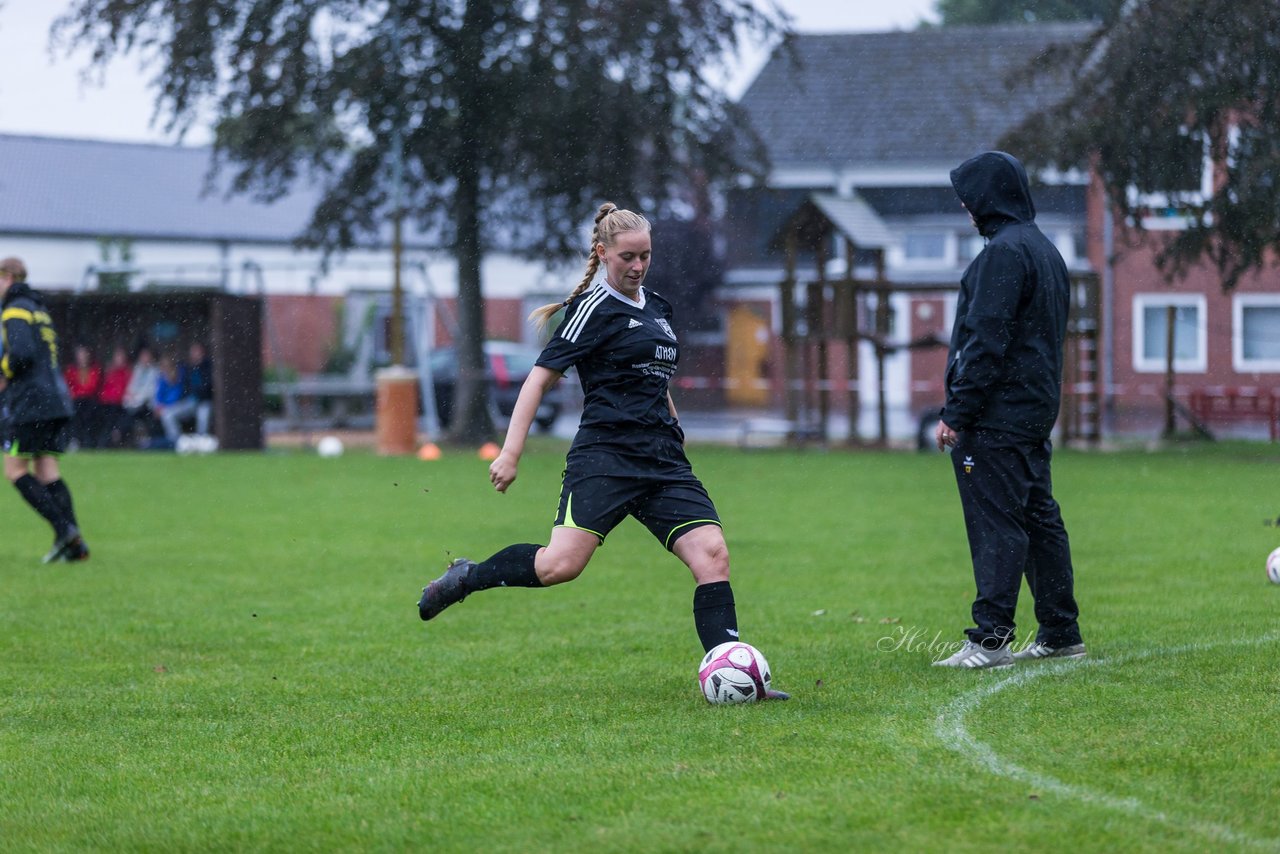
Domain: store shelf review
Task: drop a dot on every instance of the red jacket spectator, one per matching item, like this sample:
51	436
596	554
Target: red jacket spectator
116	379
84	378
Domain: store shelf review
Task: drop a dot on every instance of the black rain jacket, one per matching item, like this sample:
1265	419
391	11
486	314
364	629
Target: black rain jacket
1004	369
36	390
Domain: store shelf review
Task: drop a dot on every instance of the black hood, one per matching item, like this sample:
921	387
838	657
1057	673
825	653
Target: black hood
994	189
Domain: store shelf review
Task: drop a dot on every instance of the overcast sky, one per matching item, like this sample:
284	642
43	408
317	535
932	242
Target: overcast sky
43	93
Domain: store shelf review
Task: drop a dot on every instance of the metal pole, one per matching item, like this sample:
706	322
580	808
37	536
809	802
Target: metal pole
788	306
1169	339
397	213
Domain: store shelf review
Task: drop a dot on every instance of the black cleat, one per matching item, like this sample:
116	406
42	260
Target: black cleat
65	546
771	694
448	589
77	550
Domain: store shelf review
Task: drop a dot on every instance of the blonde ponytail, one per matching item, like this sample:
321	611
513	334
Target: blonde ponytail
610	222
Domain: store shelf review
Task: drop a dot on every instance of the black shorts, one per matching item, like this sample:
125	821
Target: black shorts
35	438
668	508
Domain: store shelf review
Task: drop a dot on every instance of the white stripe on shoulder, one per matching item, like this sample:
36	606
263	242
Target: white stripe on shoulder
574	327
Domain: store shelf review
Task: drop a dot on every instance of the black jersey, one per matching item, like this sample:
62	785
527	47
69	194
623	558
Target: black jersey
37	391
626	355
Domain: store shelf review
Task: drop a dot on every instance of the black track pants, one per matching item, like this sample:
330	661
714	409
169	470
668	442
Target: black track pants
1015	528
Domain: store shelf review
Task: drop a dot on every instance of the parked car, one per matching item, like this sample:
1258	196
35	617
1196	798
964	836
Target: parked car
508	365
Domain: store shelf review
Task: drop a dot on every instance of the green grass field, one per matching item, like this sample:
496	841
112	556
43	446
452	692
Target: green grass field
241	666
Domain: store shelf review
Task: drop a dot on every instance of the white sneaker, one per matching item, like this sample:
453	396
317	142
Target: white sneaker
975	657
1040	650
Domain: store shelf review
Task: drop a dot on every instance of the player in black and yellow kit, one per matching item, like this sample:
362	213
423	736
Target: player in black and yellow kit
39	406
627	458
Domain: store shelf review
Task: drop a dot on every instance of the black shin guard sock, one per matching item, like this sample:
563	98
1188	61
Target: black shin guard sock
511	567
61	496
38	497
714	615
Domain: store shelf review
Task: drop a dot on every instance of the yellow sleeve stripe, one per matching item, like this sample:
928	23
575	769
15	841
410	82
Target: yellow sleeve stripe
17	314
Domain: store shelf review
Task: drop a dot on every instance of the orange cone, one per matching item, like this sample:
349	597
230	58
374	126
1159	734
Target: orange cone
429	451
488	451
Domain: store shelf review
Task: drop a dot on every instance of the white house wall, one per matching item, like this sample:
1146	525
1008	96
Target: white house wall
66	263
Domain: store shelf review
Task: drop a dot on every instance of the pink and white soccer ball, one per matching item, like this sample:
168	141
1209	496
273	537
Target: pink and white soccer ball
734	672
1273	566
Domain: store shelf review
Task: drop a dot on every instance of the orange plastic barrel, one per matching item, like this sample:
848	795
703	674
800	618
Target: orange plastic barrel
396	418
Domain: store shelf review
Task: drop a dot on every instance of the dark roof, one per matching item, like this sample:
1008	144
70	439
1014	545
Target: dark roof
923	96
90	188
756	215
1066	199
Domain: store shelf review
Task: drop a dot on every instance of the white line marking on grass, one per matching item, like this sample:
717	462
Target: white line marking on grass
950	728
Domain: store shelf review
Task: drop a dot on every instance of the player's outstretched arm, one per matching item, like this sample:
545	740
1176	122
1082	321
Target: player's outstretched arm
502	471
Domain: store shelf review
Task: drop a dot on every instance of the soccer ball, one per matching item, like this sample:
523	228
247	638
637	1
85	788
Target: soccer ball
196	443
1273	566
329	446
734	672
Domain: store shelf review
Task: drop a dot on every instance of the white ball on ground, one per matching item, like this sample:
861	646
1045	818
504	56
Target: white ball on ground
734	672
1273	566
329	446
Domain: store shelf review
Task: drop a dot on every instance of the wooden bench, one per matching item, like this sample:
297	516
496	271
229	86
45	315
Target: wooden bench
1222	404
322	401
781	428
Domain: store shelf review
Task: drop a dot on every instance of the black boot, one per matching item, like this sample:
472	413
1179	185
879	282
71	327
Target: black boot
449	589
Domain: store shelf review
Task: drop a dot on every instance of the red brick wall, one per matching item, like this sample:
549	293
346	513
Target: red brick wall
1138	396
299	331
503	319
928	364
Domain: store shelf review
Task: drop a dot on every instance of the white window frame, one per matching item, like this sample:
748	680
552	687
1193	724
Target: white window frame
1238	361
1158	201
1142	302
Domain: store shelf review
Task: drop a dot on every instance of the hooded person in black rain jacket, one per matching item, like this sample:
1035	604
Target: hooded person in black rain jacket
1003	389
39	407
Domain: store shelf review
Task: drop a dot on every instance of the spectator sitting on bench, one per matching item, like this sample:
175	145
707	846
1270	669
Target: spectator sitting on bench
196	378
111	397
139	396
168	395
84	378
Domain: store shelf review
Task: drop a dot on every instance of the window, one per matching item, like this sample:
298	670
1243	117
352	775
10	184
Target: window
1173	182
968	247
1151	329
924	247
1070	245
1255	333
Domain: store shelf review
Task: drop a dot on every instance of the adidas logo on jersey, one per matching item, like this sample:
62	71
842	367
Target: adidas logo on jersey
633	323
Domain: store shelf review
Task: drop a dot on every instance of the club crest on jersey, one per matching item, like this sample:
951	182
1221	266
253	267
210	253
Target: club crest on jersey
968	464
666	327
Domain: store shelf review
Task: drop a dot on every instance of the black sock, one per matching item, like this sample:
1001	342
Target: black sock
61	496
713	614
511	567
38	497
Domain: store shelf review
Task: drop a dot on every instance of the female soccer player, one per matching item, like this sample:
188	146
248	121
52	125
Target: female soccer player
627	458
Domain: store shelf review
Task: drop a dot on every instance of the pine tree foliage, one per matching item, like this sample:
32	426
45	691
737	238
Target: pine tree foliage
984	12
1168	88
517	117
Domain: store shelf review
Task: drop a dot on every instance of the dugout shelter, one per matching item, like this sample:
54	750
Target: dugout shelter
229	326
